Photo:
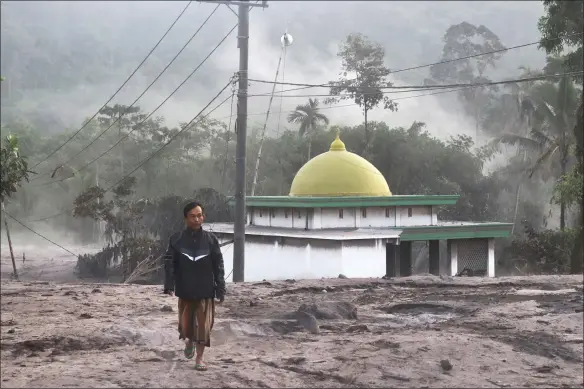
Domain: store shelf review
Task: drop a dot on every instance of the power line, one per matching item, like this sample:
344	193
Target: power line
481	54
330	84
185	127
429	87
42	236
136	126
119	89
146	90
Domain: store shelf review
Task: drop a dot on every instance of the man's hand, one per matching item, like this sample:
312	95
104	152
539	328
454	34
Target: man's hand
220	299
169	292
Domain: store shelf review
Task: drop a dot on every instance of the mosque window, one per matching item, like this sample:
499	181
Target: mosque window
410	212
386	212
364	212
260	211
340	213
299	215
286	213
272	212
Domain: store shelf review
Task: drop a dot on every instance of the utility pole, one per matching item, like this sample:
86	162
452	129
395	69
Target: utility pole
241	129
240	151
9	243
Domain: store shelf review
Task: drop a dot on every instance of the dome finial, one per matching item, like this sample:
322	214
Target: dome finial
338	144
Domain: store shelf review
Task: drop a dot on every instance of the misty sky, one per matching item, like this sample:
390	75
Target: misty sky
85	50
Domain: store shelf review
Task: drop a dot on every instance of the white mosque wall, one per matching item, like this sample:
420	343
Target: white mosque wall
321	218
414	216
337	217
272	258
278	217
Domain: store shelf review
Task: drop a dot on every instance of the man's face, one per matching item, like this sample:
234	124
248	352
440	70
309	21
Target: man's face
195	218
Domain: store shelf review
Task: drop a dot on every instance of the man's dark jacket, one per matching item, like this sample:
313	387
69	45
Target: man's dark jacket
193	265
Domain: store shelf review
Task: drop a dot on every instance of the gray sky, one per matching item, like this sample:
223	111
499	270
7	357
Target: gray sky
87	49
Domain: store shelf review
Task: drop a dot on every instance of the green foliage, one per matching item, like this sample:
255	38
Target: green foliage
308	117
563	19
543	252
569	190
14	167
364	59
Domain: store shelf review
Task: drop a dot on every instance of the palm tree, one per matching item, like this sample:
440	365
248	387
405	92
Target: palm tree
309	117
551	131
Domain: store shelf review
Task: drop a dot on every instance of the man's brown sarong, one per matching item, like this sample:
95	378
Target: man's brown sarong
195	320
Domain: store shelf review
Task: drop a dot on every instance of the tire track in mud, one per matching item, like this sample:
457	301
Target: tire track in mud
530	342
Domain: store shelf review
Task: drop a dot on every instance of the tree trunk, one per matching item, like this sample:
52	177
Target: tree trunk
516	207
562	201
366	129
309	146
9	243
577	254
477	123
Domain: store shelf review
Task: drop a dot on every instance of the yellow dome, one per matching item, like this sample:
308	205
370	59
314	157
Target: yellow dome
339	173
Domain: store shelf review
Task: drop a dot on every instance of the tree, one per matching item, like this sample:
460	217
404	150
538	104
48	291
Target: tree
308	117
459	42
551	133
565	20
14	169
365	59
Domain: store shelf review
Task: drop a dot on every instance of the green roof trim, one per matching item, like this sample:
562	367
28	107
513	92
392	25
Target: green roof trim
463	231
348	201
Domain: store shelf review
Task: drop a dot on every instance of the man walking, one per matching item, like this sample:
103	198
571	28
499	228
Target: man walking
194	272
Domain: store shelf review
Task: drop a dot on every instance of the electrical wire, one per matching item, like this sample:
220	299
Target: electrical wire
185	127
42	236
136	126
148	88
426	87
119	89
227	139
329	84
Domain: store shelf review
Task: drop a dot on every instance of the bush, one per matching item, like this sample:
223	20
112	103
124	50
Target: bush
543	252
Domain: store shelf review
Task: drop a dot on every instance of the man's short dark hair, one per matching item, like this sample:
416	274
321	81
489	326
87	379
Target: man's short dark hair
190	206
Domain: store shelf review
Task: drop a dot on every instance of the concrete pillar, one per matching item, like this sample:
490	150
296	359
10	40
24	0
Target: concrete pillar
434	250
405	259
453	258
391	259
491	258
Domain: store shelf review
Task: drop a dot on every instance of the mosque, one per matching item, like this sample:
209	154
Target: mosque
341	218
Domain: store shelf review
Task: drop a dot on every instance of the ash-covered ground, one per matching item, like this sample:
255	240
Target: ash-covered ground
421	331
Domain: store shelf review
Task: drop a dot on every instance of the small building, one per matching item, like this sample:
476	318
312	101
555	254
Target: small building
341	218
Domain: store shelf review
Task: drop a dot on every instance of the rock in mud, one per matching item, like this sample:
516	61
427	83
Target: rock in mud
446	365
330	310
342	276
85	316
166	308
295	360
308	321
358	328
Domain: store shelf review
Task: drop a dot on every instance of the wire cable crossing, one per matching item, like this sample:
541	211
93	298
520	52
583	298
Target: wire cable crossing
42	236
423	87
146	90
119	89
185	127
